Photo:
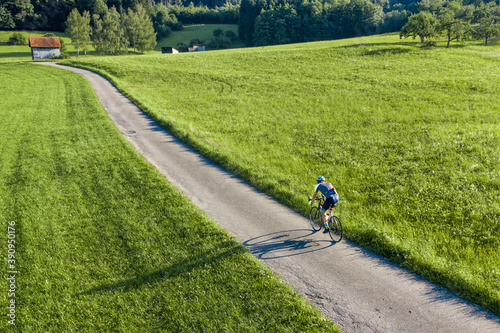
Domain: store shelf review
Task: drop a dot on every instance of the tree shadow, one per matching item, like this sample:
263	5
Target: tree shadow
209	257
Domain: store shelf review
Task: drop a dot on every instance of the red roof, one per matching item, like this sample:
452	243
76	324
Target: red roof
44	42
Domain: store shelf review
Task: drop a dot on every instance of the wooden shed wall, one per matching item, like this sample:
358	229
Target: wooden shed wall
44	53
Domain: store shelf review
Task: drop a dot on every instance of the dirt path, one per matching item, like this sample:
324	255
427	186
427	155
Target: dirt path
358	290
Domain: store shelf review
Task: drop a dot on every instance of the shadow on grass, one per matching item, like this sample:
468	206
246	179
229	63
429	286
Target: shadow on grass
388	51
210	257
389	45
16	55
286	243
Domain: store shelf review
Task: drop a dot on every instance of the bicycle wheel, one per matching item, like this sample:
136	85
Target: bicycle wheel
335	229
315	218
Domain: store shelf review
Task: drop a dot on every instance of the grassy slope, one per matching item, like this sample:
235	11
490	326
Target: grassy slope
409	136
103	241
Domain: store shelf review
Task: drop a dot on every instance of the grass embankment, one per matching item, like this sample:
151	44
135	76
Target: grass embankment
410	137
102	241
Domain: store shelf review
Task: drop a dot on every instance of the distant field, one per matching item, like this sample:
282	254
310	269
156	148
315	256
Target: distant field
410	137
201	31
103	242
13	53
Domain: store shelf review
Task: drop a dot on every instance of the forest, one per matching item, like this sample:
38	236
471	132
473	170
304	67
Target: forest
273	22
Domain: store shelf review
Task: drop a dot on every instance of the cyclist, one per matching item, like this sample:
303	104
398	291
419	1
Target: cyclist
331	195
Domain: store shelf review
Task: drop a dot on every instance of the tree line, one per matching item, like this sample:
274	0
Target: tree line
272	22
269	22
111	32
454	20
50	15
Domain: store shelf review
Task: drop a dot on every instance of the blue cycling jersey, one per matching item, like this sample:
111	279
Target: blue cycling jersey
327	189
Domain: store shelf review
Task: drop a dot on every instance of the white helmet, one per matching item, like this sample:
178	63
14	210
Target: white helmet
320	179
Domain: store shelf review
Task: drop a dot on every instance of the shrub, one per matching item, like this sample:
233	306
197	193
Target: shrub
64	50
17	38
219	43
182	47
231	35
218	32
197	41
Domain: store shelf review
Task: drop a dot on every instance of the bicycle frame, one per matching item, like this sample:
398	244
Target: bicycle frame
321	200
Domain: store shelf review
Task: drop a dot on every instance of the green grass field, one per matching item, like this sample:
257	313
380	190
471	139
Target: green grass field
14	53
410	136
103	243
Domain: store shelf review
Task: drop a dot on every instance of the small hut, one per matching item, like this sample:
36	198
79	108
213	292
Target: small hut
196	48
44	47
168	49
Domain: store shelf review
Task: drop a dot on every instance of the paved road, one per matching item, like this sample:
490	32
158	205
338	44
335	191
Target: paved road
358	290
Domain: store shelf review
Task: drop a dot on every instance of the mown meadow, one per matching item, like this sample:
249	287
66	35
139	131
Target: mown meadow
409	135
103	243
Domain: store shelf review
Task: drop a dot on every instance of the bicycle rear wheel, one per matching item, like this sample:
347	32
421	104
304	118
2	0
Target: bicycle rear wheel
315	218
335	229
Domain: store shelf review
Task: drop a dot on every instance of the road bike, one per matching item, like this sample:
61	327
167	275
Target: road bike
334	225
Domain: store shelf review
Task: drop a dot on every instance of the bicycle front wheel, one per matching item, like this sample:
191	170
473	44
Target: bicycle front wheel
335	229
315	218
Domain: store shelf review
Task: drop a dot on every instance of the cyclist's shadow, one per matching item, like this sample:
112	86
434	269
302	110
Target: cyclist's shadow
286	243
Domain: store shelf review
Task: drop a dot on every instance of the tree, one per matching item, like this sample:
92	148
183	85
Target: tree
139	29
124	42
164	21
423	24
219	41
111	26
64	51
249	11
87	31
454	20
488	19
270	29
218	32
6	21
21	13
361	17
78	27
100	8
487	28
146	35
98	34
49	14
131	23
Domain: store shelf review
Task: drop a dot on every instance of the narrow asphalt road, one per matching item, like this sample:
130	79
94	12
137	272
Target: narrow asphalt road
358	290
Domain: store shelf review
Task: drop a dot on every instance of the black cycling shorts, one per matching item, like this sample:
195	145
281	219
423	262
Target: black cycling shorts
328	202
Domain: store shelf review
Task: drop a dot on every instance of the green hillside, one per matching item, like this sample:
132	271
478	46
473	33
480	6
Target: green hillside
410	136
99	241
